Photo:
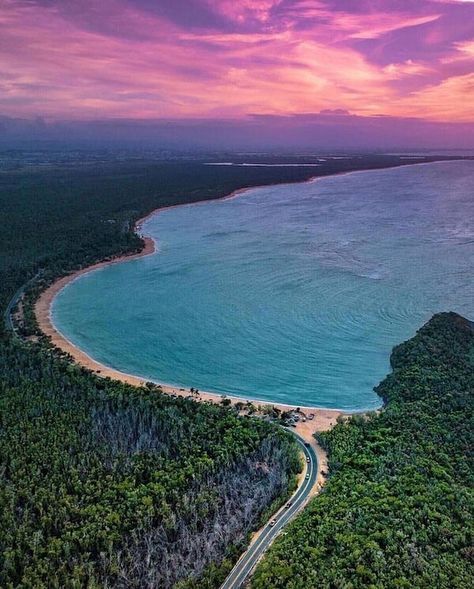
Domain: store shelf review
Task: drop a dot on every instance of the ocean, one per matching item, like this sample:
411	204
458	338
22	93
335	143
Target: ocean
293	293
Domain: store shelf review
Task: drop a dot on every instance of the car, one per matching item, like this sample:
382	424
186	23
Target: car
307	458
289	504
307	475
273	522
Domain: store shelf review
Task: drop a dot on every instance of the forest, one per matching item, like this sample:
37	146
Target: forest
397	510
107	485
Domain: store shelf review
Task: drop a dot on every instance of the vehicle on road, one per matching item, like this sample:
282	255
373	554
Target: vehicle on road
244	567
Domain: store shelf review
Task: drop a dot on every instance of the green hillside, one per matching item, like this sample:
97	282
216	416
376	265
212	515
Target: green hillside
398	508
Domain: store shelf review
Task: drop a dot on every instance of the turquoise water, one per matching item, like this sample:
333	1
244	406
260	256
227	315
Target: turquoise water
295	293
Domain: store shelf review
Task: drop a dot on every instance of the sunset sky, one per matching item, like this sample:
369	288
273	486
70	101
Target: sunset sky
221	58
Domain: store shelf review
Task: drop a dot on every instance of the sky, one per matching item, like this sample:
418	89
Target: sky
188	60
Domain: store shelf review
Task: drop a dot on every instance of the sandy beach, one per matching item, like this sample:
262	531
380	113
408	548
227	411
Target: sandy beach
311	419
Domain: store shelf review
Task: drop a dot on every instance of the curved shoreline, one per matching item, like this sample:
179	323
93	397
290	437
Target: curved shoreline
322	420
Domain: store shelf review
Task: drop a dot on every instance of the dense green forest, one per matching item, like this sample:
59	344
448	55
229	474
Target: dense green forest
398	508
102	484
106	485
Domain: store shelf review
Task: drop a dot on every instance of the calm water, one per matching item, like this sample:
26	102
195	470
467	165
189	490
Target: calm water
294	293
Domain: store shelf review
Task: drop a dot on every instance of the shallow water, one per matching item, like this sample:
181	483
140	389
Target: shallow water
295	293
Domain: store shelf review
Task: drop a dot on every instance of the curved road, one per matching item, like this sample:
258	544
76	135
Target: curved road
7	317
249	559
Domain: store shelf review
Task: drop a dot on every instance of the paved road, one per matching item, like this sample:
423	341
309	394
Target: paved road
249	559
9	325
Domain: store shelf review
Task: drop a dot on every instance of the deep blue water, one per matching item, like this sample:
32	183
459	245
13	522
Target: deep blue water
295	293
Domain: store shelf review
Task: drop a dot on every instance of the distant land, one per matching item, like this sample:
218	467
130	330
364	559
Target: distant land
320	131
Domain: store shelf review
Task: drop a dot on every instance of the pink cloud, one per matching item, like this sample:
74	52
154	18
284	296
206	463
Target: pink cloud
115	60
463	50
450	100
244	10
372	26
407	68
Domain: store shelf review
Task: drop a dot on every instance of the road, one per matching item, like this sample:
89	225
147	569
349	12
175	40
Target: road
9	324
249	559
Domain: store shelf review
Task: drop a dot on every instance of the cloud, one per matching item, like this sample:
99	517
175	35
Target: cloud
144	59
466	49
326	131
245	10
407	68
449	100
372	26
